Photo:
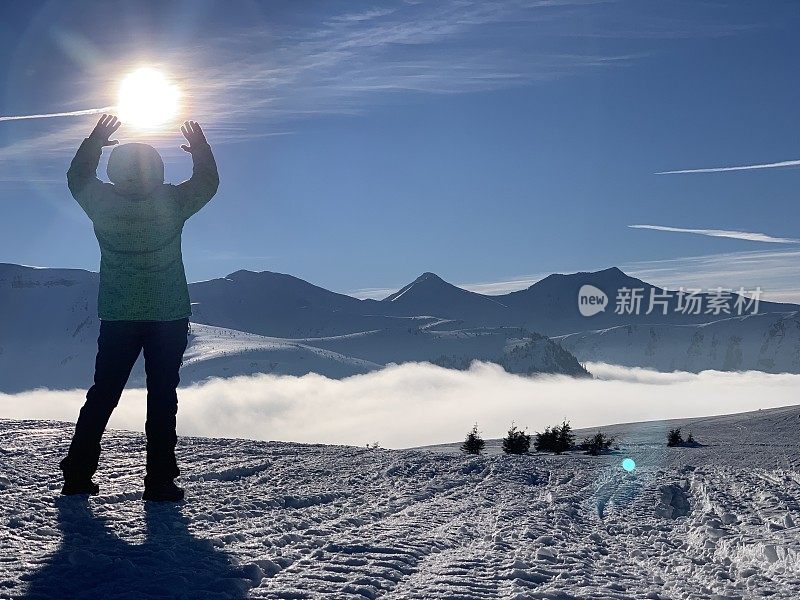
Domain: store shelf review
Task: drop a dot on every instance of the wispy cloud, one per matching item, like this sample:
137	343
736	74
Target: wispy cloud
233	255
775	165
255	78
724	233
348	62
776	272
72	113
504	286
367	15
417	403
375	293
343	63
260	76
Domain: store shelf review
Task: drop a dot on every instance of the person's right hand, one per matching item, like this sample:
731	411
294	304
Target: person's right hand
194	135
104	129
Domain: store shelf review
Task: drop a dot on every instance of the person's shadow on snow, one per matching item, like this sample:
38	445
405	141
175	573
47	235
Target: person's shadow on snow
93	562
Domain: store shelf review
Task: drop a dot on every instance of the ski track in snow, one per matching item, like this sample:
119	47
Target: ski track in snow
284	520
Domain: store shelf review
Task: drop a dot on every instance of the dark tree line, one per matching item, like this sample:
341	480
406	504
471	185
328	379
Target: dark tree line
557	439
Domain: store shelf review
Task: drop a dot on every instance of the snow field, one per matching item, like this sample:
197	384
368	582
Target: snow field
284	520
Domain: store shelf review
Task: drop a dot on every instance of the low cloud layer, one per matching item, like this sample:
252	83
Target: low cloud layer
418	404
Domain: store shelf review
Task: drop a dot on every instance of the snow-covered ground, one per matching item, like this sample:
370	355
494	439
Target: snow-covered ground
285	520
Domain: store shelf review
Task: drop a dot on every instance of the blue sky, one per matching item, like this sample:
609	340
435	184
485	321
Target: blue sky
362	143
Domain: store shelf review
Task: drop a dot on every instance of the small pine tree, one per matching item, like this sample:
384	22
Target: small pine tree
674	437
517	441
556	439
543	441
690	439
474	443
565	439
597	443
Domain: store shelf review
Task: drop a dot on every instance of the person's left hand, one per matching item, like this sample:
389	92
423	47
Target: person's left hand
104	129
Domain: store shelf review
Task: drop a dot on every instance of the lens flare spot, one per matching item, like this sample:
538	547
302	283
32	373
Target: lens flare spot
147	99
629	465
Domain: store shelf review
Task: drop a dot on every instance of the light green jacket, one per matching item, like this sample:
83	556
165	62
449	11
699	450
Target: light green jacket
141	266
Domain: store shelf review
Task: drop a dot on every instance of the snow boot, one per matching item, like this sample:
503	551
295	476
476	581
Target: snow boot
163	492
75	487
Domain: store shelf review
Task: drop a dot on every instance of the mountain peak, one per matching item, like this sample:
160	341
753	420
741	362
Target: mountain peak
429	294
428	275
426	280
241	272
264	277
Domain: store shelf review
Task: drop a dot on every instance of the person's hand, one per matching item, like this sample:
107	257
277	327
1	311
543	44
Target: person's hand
194	135
104	129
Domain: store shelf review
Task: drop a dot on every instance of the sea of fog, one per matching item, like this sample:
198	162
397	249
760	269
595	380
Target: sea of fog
417	403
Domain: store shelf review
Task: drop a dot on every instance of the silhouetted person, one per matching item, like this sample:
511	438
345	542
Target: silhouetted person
143	302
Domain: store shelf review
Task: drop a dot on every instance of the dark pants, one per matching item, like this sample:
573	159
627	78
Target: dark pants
118	347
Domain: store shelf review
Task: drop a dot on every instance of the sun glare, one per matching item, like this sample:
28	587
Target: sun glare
147	99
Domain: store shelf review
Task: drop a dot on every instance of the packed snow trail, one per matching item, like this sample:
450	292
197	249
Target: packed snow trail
284	520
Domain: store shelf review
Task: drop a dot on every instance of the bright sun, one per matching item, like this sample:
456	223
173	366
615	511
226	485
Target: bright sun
147	99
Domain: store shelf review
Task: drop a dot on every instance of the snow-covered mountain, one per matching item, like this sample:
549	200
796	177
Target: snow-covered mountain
271	322
429	294
279	305
765	342
284	520
50	326
284	306
550	306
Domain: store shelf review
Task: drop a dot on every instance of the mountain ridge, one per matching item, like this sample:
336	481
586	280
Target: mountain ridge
50	326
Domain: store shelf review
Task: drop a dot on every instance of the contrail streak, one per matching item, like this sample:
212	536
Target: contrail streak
73	113
776	165
736	235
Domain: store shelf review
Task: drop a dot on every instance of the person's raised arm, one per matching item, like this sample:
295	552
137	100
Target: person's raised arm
195	193
82	174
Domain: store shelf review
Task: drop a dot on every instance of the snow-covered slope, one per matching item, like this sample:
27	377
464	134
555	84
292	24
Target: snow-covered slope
768	342
219	352
282	520
48	327
446	344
